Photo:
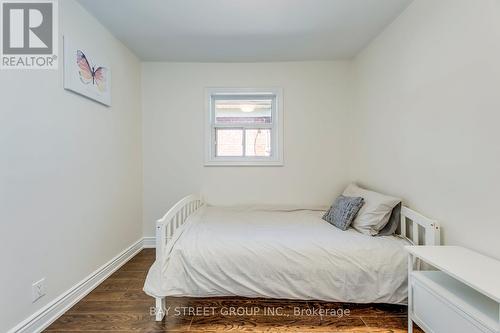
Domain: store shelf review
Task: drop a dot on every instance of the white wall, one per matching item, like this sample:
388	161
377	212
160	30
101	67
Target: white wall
428	113
316	104
70	173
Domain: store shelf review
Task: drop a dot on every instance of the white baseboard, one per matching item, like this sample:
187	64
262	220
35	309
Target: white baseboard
49	313
149	242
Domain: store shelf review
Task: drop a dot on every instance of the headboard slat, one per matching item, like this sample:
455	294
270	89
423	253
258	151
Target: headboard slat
431	229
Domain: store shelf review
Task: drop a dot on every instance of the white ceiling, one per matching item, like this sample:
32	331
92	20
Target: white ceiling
245	30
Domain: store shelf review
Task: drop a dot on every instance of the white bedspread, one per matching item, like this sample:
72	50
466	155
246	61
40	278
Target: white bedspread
290	254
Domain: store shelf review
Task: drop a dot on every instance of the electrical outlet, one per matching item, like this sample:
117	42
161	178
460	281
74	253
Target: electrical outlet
38	290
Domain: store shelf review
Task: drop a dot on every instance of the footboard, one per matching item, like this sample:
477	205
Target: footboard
165	228
173	219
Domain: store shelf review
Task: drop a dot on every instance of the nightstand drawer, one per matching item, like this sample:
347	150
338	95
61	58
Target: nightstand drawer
438	303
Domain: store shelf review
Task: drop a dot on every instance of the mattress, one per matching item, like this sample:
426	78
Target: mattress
278	253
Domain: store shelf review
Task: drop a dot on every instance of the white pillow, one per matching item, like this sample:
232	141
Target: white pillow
376	211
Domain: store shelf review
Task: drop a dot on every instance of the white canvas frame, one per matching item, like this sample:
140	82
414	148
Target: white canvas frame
71	77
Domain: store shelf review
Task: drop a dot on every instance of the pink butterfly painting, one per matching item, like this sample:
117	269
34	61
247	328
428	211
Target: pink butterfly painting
91	79
90	74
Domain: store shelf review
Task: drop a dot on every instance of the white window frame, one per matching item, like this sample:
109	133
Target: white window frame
276	158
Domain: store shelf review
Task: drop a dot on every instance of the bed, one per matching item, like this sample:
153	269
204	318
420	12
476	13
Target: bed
206	251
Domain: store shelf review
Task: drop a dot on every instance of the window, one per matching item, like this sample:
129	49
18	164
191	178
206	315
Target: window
244	127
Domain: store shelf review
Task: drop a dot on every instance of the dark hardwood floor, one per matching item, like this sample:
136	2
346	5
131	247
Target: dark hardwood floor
120	305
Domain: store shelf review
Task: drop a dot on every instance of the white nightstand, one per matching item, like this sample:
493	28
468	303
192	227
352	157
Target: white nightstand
462	295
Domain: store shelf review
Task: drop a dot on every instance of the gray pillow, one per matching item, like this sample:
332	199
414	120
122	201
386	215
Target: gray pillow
343	211
392	225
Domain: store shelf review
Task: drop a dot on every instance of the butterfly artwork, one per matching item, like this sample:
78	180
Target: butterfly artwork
86	72
89	74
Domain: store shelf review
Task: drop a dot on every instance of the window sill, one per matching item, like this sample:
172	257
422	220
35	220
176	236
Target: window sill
244	163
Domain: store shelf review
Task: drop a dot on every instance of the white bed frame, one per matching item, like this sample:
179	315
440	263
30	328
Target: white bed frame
414	227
